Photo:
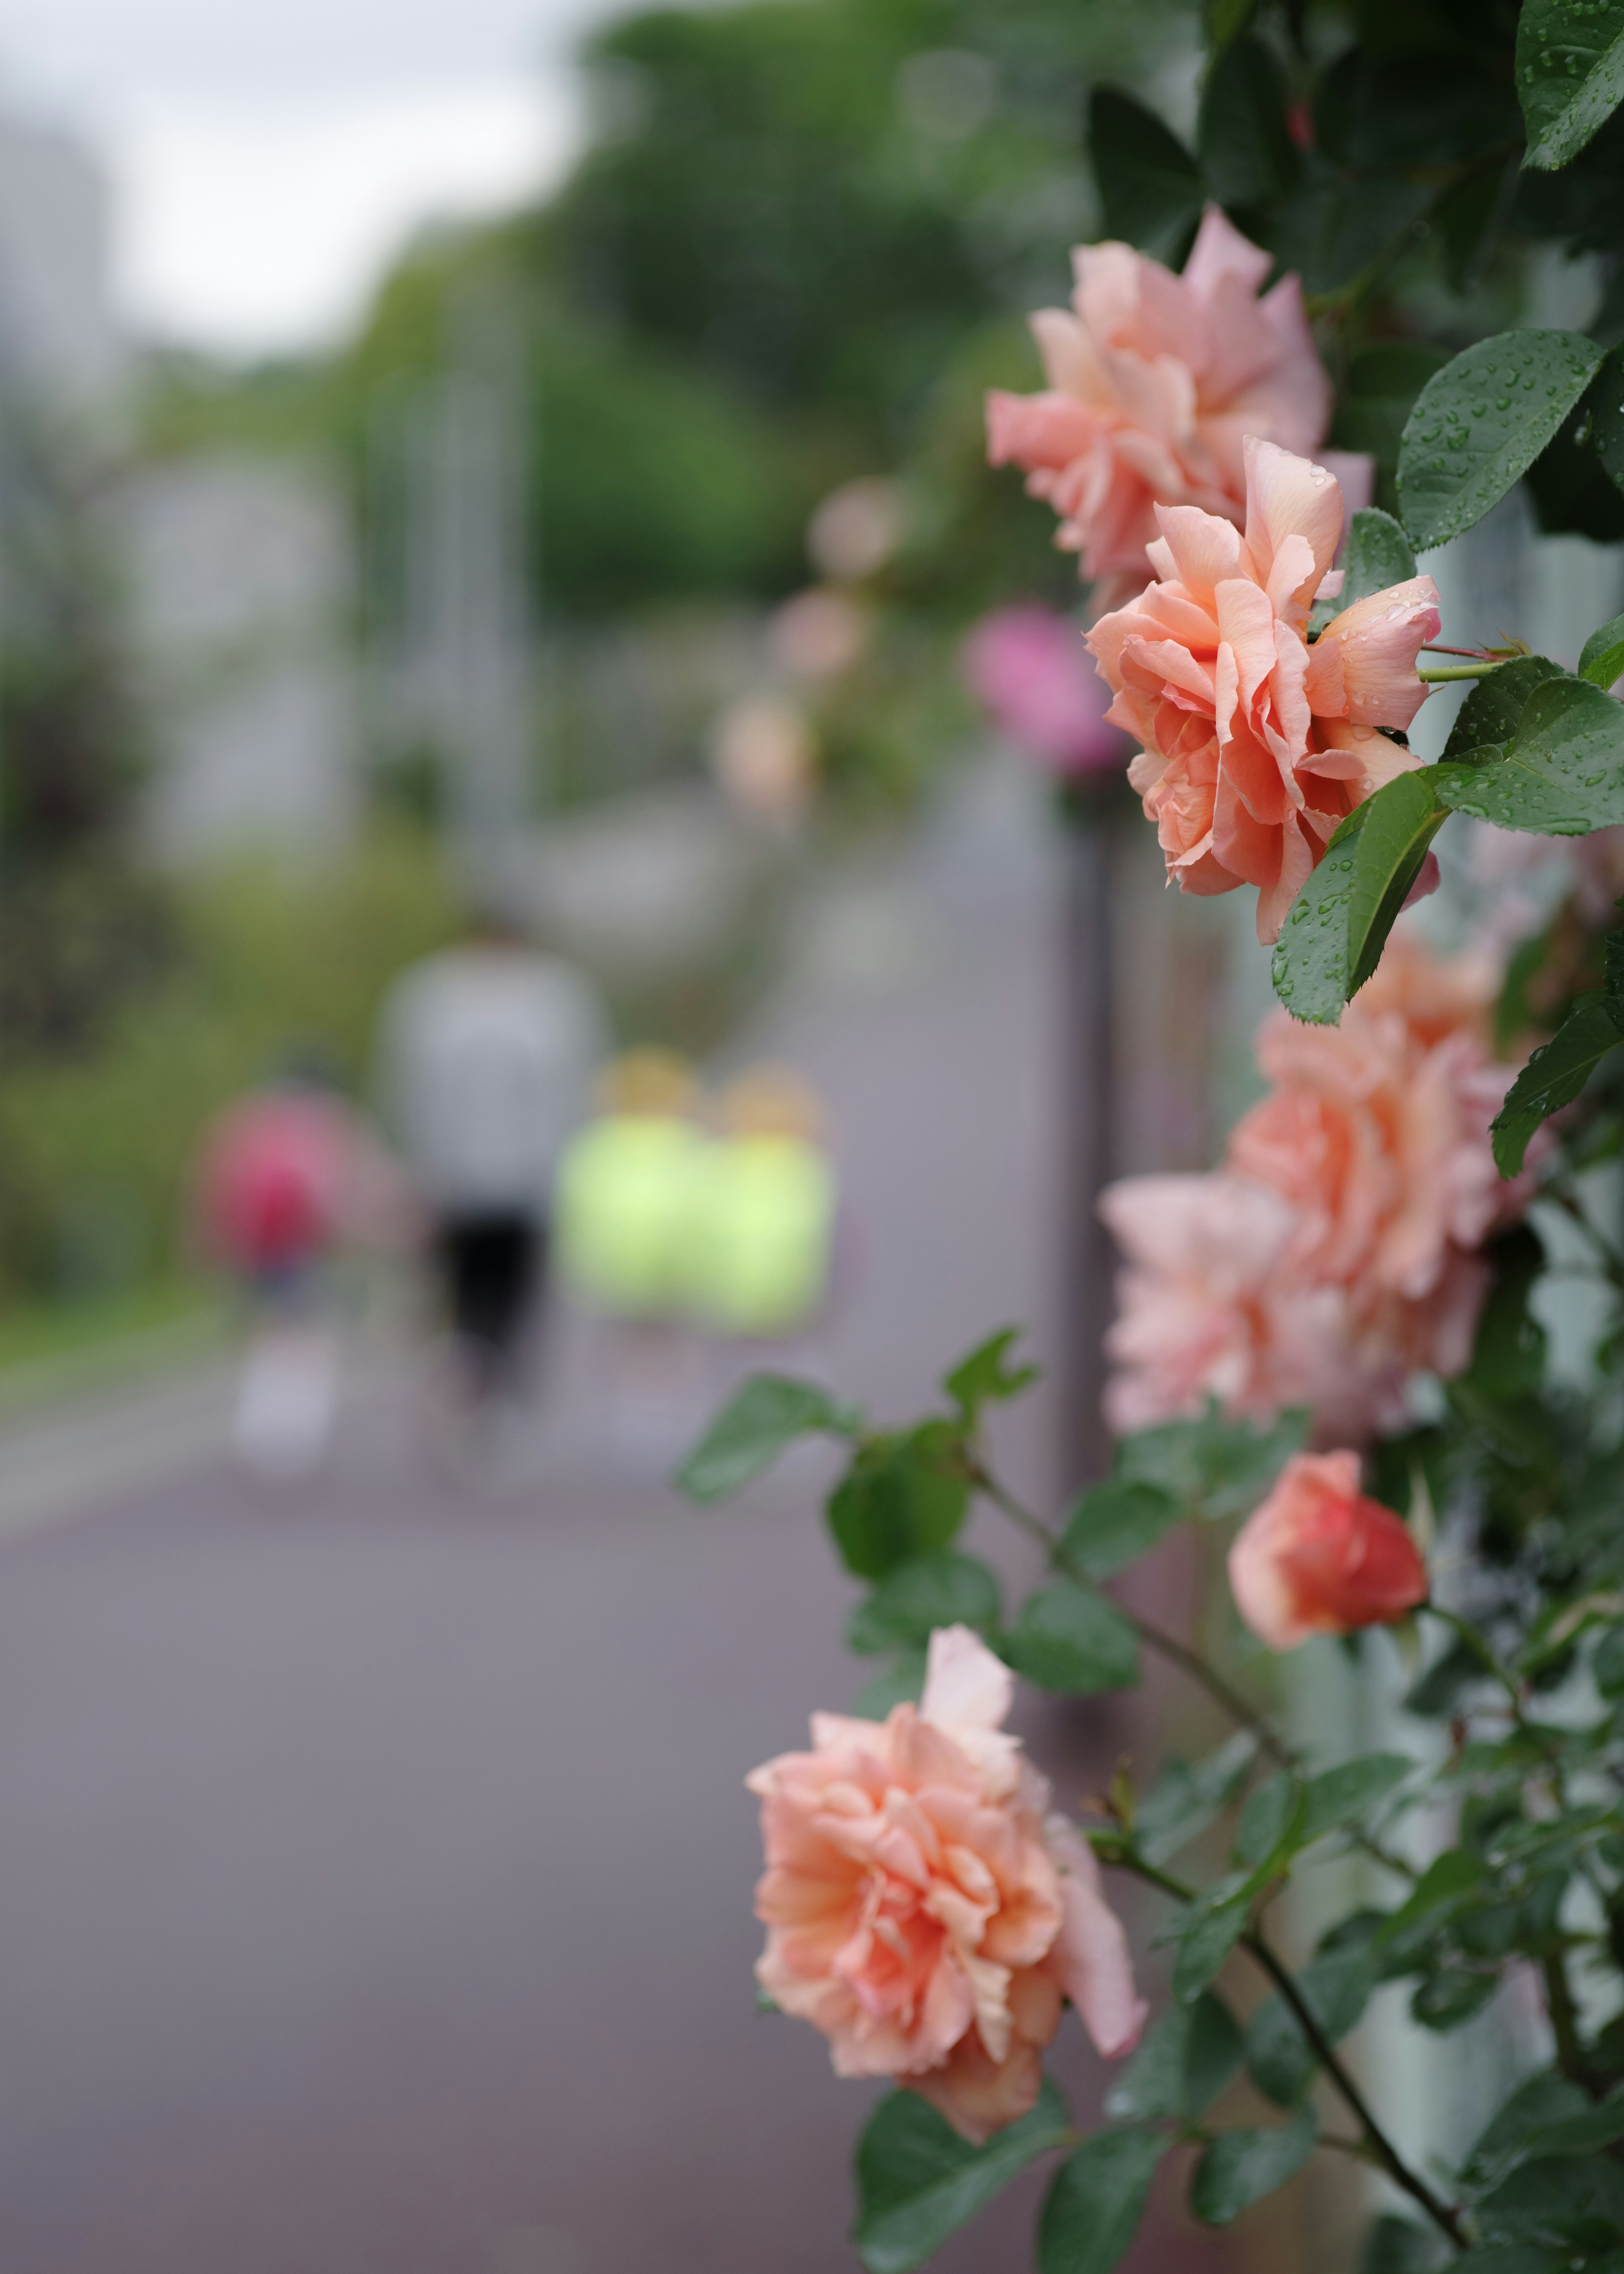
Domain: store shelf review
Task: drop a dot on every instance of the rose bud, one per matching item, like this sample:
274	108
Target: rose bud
1318	1557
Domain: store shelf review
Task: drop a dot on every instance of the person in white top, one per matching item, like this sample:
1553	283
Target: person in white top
488	1053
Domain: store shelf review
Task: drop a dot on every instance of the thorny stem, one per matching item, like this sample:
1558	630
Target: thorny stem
1166	1646
1386	2154
1376	2145
1177	1653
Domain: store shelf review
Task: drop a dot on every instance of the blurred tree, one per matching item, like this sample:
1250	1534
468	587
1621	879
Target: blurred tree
80	923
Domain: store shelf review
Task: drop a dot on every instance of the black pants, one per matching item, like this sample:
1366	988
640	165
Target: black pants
494	1267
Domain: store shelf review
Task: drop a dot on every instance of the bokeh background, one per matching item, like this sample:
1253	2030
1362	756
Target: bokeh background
473	443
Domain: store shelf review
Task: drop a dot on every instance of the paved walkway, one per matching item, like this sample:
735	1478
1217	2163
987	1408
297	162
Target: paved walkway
376	1891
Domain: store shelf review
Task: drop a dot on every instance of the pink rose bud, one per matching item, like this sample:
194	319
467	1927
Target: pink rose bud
1319	1558
925	1911
1030	671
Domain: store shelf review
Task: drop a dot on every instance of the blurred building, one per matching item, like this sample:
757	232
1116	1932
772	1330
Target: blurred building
59	339
241	579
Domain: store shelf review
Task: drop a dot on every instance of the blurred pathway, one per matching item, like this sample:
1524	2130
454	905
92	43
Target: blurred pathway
376	1891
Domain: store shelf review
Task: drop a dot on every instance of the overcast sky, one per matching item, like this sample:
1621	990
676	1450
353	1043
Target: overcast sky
267	156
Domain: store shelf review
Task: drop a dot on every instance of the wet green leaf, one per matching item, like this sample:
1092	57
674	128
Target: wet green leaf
918	2182
1479	424
1098	2198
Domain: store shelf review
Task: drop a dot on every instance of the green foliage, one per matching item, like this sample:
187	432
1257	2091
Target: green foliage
1239	2169
1554	1076
1151	189
1561	772
904	1495
915	1597
1570	74
1067	1638
762	1419
1379	554
918	2182
1479	424
1114	1524
1219	1465
1334	935
1095	2207
1244	145
1335	1986
1186	1798
984	1378
1601	661
1186	2058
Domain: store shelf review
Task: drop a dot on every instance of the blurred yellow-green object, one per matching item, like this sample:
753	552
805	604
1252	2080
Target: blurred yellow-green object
762	1234
623	1211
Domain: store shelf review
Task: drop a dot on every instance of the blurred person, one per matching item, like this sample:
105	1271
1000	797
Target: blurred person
625	1197
762	1238
284	1175
488	1050
625	1192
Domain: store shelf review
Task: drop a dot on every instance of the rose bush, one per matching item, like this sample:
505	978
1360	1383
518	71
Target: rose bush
1374	1265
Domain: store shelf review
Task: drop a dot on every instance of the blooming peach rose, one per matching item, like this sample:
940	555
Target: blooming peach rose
1319	1558
1337	1253
1254	746
1205	1307
924	1909
1154	380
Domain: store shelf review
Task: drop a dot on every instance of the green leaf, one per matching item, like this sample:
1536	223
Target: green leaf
901	1683
1601	658
1184	2061
1239	2169
1455	1879
1563	770
1570	74
1220	1464
1332	938
1605	405
1210	1932
1225	18
1184	1799
1382	388
903	1496
1098	2198
764	1416
1379	554
1273	1811
1070	1640
1536	2104
1613	981
983	1378
1151	190
1556	2200
1494	705
1508	1348
1398	2246
1608	1664
1480	423
944	1589
918	2181
1242	140
1335	1986
1553	1077
1337	1795
1114	1524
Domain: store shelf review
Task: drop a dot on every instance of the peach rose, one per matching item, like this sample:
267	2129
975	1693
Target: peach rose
924	1910
1335	1255
1319	1558
1154	380
1255	745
